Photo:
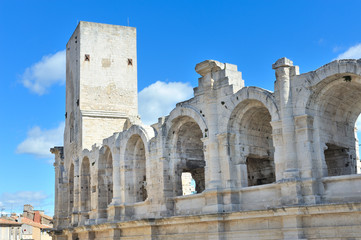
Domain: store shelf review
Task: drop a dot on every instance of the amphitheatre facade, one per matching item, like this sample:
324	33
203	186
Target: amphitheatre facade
266	165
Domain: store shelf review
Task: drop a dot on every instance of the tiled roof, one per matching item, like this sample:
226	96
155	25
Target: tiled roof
34	224
8	222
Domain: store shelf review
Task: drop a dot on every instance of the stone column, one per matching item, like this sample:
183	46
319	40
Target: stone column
310	171
57	188
242	170
304	131
61	189
213	198
113	208
290	186
211	155
230	199
227	174
211	71
236	161
76	206
210	142
116	179
212	163
284	70
278	154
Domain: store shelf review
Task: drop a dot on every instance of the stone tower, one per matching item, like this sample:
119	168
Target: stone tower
101	83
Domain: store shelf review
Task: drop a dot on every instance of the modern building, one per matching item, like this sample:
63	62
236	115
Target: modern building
35	224
32	224
10	230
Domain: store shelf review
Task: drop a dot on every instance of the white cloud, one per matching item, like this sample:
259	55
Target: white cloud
353	52
14	202
160	98
48	71
39	141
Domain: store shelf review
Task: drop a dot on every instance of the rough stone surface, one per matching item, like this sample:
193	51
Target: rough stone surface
267	165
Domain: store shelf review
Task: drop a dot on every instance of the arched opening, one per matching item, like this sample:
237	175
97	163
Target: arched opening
188	156
71	190
105	181
251	146
135	176
337	103
85	197
337	160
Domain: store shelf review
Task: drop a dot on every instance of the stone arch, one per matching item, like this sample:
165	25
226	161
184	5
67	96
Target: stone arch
335	104
105	180
146	133
188	111
85	188
251	147
258	94
326	73
185	152
136	150
135	175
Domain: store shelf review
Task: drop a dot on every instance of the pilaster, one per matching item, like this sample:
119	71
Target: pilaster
75	219
284	70
309	173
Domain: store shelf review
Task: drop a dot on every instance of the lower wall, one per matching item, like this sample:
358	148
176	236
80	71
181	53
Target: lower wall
331	221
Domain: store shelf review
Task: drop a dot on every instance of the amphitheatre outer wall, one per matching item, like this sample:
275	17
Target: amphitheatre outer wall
267	165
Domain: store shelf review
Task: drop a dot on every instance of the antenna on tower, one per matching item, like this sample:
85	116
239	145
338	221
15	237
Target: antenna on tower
128	21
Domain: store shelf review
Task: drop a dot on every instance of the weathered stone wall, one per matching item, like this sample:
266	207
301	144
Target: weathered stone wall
101	83
267	165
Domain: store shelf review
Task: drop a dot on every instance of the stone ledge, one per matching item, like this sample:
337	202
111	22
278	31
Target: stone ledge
97	113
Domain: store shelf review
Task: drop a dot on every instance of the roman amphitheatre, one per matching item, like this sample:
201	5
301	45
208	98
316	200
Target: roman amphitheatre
264	165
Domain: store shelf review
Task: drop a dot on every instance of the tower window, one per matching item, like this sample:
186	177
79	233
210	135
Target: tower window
87	57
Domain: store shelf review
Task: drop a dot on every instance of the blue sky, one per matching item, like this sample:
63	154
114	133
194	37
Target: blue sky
173	36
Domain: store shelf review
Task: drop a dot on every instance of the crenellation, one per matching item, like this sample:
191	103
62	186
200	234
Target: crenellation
232	162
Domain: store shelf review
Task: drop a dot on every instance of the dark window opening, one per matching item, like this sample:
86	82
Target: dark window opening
338	160
260	171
